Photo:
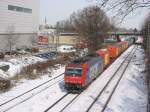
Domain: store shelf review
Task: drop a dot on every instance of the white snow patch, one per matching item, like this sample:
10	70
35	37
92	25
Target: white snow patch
131	95
16	65
40	101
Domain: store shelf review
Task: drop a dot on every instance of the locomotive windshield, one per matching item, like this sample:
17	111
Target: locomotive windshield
74	71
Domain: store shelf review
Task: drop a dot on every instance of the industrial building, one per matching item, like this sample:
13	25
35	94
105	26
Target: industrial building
19	23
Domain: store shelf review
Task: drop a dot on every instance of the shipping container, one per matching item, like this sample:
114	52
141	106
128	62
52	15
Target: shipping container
113	50
105	56
125	44
121	46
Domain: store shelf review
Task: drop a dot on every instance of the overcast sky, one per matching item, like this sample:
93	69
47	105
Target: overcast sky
55	10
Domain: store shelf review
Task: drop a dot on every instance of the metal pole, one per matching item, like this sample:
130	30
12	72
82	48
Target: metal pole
49	42
148	40
57	37
53	42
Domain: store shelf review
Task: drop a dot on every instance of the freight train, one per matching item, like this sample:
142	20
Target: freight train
81	72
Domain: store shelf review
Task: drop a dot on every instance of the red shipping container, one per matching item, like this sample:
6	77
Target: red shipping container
114	51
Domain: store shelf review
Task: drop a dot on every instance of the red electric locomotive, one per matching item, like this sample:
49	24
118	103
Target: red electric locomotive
81	72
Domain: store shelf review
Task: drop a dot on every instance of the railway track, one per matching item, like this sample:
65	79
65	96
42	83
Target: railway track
108	91
4	107
61	104
120	70
113	91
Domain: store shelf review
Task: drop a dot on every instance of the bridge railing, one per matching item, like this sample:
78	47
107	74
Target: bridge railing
125	33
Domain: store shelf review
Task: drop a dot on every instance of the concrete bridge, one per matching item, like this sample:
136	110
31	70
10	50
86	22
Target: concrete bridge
126	33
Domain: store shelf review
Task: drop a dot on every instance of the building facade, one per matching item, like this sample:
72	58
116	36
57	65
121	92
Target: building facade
60	39
19	23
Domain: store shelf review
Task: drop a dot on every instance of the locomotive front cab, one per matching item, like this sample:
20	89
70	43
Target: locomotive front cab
74	77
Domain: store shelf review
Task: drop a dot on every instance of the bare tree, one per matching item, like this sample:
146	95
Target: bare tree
146	32
146	29
123	7
33	39
11	37
91	23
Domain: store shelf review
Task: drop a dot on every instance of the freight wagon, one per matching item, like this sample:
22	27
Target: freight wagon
114	51
105	55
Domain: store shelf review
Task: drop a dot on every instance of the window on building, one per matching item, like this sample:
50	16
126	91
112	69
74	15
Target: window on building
10	7
19	9
26	10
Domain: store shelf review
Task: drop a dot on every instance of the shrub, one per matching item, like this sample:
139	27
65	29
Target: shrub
5	84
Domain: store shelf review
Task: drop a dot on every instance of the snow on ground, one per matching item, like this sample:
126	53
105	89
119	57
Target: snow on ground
16	65
88	96
24	85
2	74
131	95
59	106
39	102
140	40
99	104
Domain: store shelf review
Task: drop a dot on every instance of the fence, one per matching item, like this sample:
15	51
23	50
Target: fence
146	33
148	39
